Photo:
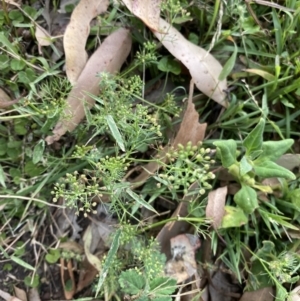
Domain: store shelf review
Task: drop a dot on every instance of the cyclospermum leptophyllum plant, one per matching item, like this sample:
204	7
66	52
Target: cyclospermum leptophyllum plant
257	163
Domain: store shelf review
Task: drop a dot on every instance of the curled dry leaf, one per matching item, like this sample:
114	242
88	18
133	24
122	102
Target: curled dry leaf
8	297
215	206
190	130
42	36
203	67
263	294
93	260
295	294
109	57
77	33
147	10
183	264
5	100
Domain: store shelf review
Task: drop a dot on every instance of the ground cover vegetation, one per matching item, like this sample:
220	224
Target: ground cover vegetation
149	150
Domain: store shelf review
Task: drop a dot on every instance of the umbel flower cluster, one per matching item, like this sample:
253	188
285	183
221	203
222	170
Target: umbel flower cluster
187	165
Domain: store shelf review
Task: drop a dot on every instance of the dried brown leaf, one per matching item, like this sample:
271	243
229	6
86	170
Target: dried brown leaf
221	288
215	206
42	36
295	294
93	260
289	161
77	33
146	10
109	57
172	229
8	297
5	100
20	293
34	295
203	67
190	129
264	294
87	275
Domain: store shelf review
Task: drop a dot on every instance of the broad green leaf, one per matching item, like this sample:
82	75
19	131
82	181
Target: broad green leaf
53	256
162	286
229	65
140	200
234	217
246	199
273	150
2	177
115	132
109	259
131	282
227	150
167	64
253	142
17	65
38	152
32	281
269	169
245	166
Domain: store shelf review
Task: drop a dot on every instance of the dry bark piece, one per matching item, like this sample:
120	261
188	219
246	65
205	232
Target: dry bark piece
215	206
146	10
183	264
203	67
109	57
77	33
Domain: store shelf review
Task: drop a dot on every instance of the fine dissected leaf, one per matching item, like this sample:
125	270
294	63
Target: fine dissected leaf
204	68
131	282
273	150
115	132
234	217
269	169
227	150
215	208
146	10
109	259
109	57
246	199
76	35
190	131
253	142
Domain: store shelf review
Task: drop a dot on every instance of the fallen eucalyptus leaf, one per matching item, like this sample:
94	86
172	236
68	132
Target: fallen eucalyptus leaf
76	35
109	57
204	68
146	10
215	206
